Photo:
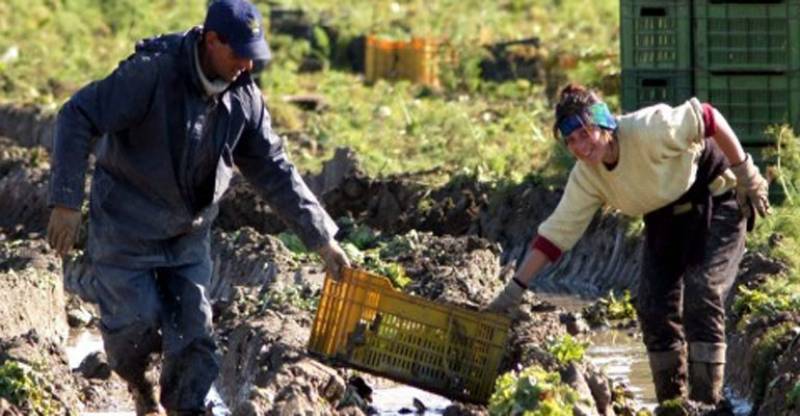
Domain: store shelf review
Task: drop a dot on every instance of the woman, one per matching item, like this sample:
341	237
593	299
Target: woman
684	169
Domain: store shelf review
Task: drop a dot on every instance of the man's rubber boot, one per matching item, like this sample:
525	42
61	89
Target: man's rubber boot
669	374
706	372
144	398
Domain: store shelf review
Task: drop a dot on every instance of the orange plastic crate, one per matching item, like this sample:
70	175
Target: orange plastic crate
415	60
363	322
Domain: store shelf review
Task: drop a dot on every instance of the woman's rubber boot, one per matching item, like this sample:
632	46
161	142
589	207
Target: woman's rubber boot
669	374
706	372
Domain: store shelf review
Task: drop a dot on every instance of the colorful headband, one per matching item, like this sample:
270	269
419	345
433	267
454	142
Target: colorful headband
597	114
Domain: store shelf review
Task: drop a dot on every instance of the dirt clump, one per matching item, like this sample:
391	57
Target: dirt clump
769	344
34	376
24	174
456	270
31	292
245	258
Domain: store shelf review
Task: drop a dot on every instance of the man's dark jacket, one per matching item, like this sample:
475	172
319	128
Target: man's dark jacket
166	156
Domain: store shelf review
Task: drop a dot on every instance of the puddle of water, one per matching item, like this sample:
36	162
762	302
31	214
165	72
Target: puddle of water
623	357
390	401
624	360
741	407
80	344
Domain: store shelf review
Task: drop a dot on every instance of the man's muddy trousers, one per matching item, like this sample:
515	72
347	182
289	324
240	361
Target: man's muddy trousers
682	302
160	309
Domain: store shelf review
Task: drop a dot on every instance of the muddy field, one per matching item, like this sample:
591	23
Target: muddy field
453	242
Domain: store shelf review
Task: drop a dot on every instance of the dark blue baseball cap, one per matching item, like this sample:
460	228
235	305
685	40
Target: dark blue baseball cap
239	24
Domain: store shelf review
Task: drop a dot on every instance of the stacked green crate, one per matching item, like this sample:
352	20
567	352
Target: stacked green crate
754	36
751	102
656	45
748	56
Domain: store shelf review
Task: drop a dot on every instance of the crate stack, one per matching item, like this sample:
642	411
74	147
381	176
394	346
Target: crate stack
656	42
748	58
742	56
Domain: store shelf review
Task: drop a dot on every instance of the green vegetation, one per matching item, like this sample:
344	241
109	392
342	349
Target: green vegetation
49	48
793	397
293	243
363	237
532	392
364	249
372	261
673	407
23	387
777	236
610	308
567	349
766	351
300	298
774	296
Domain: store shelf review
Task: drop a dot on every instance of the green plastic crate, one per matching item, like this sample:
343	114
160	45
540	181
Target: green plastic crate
752	102
642	88
747	36
656	34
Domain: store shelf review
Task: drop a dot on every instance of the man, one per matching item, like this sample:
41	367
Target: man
174	119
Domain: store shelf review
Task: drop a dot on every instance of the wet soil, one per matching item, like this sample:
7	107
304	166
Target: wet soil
768	348
457	238
31	294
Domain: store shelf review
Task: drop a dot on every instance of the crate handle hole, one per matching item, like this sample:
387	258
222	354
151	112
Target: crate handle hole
652	12
746	1
654	83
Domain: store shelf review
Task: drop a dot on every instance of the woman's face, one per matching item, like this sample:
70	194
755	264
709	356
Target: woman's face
588	144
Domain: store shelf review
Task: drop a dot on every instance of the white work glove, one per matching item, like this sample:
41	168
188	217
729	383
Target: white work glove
62	230
751	188
334	258
508	300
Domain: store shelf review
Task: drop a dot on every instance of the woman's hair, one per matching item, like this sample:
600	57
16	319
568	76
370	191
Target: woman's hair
573	99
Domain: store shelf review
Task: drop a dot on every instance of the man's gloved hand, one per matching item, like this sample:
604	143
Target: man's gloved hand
751	188
508	300
334	258
62	231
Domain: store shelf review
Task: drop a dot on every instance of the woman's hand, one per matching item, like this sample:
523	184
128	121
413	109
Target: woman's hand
751	188
508	300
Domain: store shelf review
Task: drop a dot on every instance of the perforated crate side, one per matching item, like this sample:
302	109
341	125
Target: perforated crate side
755	36
642	88
442	348
656	34
752	102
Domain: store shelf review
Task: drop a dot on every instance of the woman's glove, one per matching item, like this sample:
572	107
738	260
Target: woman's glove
62	230
334	258
508	300
751	188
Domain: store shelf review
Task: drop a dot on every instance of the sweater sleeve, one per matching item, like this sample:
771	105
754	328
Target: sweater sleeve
675	129
565	226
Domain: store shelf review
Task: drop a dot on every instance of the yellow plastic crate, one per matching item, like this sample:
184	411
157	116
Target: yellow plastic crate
415	60
363	322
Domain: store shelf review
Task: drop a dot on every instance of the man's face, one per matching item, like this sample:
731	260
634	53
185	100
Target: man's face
224	61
